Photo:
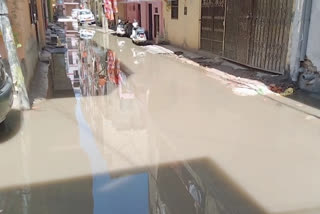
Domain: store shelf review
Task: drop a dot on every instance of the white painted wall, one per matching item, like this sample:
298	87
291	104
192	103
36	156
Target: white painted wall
295	40
313	51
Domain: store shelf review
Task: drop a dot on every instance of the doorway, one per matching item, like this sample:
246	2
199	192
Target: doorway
139	14
251	32
212	26
156	25
257	33
238	30
150	22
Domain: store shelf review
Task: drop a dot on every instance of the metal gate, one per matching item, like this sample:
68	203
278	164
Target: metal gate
255	32
238	30
271	23
212	25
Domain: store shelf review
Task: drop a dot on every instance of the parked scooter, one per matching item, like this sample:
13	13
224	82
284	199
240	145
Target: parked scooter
121	28
138	35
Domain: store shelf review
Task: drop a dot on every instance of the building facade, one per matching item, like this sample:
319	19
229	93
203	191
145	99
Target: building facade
29	21
274	36
149	14
182	28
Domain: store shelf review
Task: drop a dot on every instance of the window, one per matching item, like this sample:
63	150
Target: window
174	9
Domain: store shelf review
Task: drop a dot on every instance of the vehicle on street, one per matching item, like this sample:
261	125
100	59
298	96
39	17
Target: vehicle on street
85	16
138	35
6	92
121	28
74	13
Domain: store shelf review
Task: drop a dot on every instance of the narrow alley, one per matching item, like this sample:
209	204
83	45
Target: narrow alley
159	107
144	128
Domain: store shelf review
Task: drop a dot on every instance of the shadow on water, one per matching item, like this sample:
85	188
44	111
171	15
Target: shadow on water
195	187
11	126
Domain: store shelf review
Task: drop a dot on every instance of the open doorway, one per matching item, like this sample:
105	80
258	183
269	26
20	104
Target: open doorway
156	25
150	36
139	14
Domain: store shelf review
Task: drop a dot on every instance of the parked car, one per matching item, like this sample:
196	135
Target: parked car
86	16
74	13
6	92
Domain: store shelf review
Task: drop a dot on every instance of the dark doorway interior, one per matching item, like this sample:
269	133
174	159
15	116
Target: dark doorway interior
139	14
150	22
156	25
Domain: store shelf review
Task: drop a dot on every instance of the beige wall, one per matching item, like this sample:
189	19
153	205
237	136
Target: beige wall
184	31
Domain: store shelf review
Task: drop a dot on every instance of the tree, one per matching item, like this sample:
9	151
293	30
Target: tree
15	67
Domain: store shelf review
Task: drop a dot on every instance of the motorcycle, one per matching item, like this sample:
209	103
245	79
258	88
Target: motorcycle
121	28
138	35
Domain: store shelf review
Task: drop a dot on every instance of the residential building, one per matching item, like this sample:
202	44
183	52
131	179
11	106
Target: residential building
268	35
149	14
182	28
28	20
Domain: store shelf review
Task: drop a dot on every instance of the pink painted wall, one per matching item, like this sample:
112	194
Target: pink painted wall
132	13
158	5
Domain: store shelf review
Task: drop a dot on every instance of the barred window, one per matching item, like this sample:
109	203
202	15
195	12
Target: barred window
174	9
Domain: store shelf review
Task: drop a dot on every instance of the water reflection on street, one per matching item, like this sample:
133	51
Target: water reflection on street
139	138
101	74
108	108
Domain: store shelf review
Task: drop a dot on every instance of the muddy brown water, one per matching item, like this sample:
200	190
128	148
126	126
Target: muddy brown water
148	134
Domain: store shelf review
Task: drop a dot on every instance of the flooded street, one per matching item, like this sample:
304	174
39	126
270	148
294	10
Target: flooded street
146	133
